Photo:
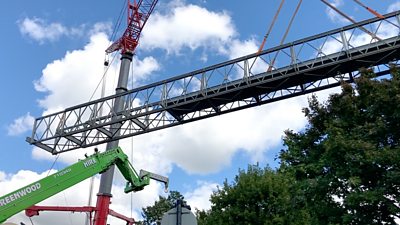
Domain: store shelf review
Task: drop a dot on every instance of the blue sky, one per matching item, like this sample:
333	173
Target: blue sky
52	58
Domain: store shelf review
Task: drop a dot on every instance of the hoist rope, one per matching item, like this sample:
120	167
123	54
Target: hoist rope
31	220
375	13
286	33
103	77
112	39
132	192
374	36
103	81
119	21
52	165
65	197
132	84
270	27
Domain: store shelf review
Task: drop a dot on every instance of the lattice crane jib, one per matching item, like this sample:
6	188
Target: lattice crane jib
138	12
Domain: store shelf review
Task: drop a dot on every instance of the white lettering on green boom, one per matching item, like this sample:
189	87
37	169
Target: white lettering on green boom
19	194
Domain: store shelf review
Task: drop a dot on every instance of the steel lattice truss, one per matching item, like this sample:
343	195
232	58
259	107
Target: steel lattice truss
308	65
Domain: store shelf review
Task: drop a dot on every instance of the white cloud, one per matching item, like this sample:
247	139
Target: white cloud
187	26
207	146
2	176
41	31
66	158
21	125
199	198
241	48
394	7
143	68
333	15
101	27
82	70
238	49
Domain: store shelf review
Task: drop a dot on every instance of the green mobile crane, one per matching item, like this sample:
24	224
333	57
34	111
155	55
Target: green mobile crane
28	196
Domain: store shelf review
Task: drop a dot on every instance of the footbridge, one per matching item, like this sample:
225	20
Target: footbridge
304	66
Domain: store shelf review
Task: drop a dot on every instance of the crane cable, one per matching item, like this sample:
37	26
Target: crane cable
369	9
131	155
375	13
91	182
103	82
285	35
65	198
270	27
106	57
351	20
30	220
118	22
52	165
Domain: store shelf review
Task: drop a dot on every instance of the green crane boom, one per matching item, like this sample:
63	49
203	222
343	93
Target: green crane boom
23	198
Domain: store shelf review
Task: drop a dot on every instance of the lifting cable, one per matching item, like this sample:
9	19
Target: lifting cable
131	155
30	220
103	82
369	9
375	13
132	191
52	165
112	39
65	198
285	35
118	22
106	67
351	20
270	27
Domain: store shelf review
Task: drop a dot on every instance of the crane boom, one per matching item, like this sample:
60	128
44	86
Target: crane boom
25	197
138	14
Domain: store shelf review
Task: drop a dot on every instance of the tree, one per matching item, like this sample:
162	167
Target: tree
343	168
347	160
257	196
153	214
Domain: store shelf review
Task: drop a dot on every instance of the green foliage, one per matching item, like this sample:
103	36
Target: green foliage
348	158
257	196
153	214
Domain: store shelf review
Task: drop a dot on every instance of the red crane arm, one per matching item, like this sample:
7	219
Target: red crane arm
138	14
